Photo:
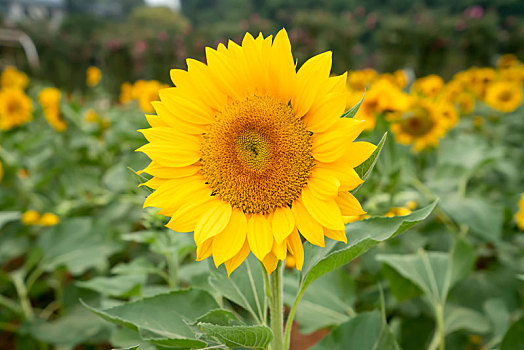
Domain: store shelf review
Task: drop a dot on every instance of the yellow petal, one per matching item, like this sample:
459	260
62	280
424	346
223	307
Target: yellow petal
270	263
323	183
294	243
358	152
229	242
282	223
158	170
349	205
259	235
170	120
188	107
337	235
308	227
213	222
313	71
234	262
326	112
181	155
187	216
332	144
325	212
282	68
280	250
204	250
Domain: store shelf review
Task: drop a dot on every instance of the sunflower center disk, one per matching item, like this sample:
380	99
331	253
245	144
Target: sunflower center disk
417	122
257	155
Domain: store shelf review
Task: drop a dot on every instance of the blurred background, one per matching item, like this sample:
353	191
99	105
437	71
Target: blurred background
137	39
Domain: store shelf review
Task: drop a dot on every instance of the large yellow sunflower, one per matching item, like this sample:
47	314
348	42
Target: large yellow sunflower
250	154
15	108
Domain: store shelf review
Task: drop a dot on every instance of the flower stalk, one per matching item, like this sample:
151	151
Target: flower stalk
276	306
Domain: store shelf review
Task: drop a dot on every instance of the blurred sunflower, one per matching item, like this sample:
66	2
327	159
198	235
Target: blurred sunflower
13	78
149	93
504	96
428	86
15	108
49	99
247	152
508	60
126	92
421	125
449	114
519	217
465	102
93	76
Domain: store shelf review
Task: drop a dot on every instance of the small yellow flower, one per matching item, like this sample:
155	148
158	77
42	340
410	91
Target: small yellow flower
15	108
398	211
49	99
449	113
411	205
478	121
93	76
504	96
91	116
465	102
126	92
49	219
23	173
13	78
291	262
428	86
30	217
519	217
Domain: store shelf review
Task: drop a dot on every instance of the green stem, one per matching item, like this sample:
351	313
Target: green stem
277	308
21	290
440	327
289	323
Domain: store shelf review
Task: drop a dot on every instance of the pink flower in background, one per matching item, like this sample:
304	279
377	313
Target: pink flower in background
113	44
244	24
360	11
474	12
371	20
140	48
162	36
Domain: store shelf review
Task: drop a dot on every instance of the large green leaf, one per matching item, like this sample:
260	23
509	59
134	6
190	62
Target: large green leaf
362	235
367	331
117	286
326	303
252	337
434	272
513	340
457	318
7	216
164	319
244	287
481	216
75	244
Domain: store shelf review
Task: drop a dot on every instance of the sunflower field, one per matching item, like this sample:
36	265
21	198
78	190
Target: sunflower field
269	205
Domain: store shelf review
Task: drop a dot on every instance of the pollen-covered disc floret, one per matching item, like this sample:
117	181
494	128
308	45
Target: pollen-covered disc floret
252	156
257	155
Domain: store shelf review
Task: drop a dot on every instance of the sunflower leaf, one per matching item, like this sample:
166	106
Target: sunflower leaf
163	319
361	235
365	169
367	331
352	111
252	337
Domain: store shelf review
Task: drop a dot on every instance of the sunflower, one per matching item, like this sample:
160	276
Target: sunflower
149	93
126	92
15	108
504	96
13	78
49	99
428	86
93	76
251	155
508	60
420	125
519	217
449	113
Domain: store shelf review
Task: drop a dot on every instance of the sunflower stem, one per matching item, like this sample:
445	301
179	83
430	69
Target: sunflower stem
277	308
